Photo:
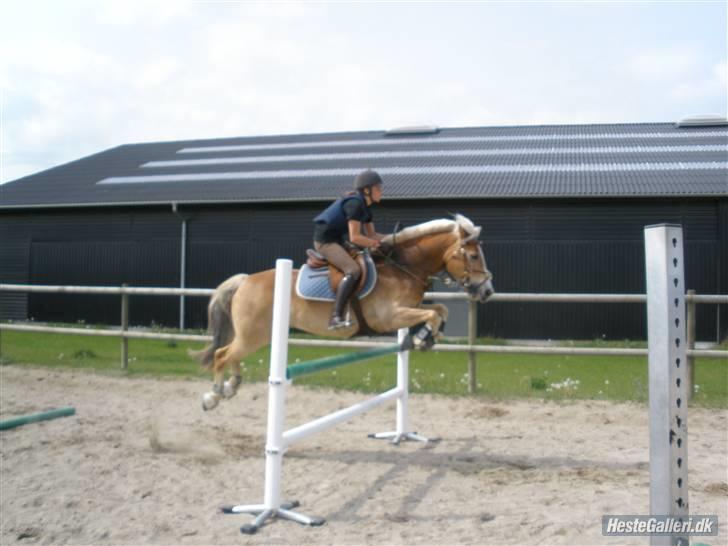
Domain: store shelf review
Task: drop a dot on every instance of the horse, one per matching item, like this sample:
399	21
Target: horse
240	311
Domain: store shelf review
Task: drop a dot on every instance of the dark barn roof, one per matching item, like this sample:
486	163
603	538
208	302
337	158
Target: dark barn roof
619	160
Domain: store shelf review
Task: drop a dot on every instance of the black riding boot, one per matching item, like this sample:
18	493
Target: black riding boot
346	287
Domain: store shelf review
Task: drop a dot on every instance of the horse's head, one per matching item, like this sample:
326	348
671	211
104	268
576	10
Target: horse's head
465	261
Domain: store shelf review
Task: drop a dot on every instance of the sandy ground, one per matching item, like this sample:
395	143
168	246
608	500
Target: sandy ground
140	463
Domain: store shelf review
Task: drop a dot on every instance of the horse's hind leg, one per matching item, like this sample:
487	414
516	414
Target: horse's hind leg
230	354
211	399
230	387
251	317
237	351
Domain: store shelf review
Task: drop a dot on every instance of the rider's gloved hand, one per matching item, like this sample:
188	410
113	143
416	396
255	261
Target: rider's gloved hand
385	248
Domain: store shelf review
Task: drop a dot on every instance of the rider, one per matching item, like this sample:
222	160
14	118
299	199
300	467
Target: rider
341	221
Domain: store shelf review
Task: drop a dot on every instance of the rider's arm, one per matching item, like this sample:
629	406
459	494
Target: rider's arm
356	236
371	232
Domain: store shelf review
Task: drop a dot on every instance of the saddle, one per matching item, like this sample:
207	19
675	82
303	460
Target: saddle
315	260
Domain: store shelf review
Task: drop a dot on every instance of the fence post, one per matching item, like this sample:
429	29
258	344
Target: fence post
668	396
472	336
124	328
689	360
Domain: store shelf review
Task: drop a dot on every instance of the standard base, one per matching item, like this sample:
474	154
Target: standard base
263	513
397	437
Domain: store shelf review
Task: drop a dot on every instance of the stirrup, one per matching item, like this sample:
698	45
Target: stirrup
336	323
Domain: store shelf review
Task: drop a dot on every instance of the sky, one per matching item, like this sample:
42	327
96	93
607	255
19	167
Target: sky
81	76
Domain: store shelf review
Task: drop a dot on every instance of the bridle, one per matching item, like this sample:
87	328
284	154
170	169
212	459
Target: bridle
445	276
462	254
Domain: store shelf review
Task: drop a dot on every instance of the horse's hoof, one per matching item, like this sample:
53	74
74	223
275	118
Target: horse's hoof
210	400
230	387
228	391
424	345
424	339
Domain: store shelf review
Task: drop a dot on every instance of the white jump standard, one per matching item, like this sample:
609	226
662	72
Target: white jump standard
278	440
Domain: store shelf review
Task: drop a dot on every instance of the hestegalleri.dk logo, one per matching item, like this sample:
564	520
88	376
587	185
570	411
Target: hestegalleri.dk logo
636	526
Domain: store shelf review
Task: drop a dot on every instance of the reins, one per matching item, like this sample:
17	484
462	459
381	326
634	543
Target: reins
388	260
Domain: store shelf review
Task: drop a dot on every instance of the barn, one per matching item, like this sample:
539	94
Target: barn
562	207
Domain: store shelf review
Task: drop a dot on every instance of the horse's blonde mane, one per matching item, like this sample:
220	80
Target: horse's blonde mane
435	226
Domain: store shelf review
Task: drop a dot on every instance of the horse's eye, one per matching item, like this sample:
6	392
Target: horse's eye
474	257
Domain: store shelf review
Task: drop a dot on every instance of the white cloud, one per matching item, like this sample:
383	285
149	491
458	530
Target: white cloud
666	64
157	72
51	58
711	84
140	12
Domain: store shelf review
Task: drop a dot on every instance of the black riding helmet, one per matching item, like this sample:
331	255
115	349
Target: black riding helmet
367	179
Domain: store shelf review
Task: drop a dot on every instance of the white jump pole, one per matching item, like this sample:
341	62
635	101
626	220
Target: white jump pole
274	446
402	431
278	440
668	381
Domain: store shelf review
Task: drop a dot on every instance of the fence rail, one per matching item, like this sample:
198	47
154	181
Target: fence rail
125	333
440	296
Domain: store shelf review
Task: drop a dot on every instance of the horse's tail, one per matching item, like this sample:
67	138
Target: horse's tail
219	319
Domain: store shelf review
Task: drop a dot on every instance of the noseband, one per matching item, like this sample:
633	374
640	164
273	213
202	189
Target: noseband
464	281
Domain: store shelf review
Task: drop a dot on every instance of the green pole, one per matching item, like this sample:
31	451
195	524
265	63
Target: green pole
305	368
42	416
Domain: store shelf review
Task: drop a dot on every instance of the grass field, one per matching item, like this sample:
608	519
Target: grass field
549	377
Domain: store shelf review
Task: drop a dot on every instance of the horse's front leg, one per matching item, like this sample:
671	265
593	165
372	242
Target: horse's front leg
407	317
441	310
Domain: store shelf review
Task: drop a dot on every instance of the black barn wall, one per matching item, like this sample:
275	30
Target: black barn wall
531	246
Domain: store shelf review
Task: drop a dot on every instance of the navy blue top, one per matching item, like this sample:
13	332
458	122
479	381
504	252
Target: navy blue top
332	225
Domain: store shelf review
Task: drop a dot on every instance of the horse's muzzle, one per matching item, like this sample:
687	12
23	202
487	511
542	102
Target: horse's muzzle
483	291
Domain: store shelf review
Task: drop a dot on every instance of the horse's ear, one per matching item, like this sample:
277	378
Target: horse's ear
468	237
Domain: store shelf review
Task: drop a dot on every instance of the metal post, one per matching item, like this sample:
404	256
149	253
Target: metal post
182	270
182	262
690	361
472	336
667	375
124	328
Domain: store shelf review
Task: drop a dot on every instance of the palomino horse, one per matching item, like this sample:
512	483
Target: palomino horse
240	311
